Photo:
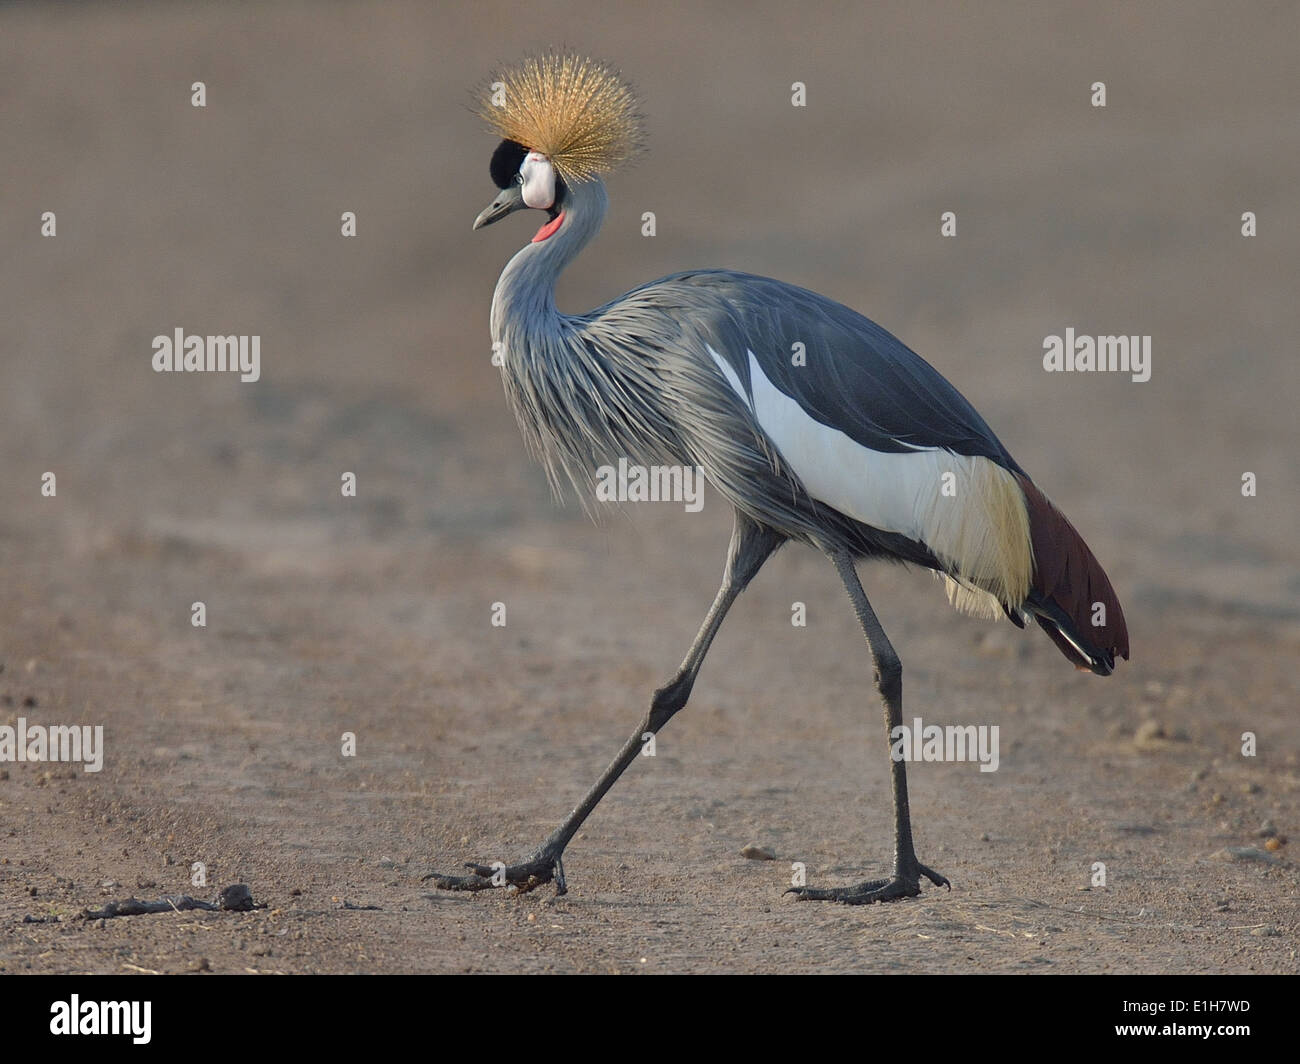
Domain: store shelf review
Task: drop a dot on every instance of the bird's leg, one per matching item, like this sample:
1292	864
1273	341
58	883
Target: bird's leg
906	880
751	545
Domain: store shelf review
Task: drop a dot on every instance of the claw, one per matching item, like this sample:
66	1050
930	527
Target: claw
934	877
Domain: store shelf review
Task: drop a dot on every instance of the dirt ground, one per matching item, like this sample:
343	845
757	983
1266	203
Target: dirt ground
372	615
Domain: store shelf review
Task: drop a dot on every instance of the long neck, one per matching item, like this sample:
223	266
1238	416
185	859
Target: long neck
524	303
550	374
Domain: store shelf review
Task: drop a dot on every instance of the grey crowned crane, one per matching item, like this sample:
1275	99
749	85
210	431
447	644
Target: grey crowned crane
862	451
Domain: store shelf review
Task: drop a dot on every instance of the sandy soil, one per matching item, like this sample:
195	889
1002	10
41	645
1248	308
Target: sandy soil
371	615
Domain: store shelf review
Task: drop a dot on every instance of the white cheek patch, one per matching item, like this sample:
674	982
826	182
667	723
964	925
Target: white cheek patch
539	180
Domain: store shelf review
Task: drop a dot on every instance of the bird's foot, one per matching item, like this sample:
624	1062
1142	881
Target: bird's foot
905	883
544	866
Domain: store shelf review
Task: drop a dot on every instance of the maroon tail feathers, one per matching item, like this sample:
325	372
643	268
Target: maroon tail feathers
1071	591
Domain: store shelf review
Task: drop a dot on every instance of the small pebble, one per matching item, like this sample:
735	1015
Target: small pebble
1149	731
1265	932
756	852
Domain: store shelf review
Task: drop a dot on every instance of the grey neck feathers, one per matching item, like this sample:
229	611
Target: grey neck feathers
628	380
551	374
524	303
581	393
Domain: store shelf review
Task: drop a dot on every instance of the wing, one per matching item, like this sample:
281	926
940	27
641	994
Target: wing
852	376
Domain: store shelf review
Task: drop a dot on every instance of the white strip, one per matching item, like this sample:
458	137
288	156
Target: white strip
731	375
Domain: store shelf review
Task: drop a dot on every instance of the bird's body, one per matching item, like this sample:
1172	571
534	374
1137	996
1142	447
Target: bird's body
813	422
845	445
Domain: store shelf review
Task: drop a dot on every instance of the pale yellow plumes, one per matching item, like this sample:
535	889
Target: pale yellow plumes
981	532
578	112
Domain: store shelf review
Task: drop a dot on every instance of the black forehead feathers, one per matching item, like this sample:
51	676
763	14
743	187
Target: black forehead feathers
506	161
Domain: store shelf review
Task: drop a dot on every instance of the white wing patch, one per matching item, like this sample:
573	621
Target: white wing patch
967	510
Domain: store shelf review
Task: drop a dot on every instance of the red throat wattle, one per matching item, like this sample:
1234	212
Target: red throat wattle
548	228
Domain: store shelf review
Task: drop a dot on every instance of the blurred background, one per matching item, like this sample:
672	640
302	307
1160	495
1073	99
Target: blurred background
371	614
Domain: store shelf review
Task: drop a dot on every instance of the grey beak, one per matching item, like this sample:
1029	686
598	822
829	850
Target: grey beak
510	199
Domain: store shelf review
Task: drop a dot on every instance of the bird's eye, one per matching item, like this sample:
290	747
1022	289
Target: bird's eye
519	179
